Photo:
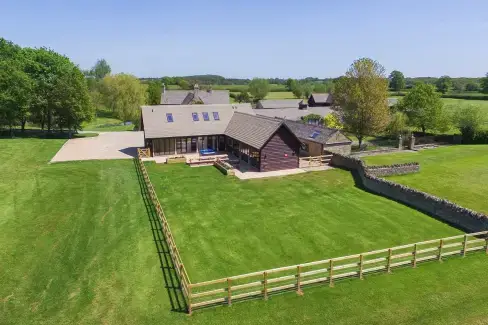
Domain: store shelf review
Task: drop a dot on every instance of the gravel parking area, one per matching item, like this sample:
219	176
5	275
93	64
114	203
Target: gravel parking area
107	145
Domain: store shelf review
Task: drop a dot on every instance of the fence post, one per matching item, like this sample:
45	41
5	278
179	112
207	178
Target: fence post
299	278
265	283
331	273
361	267
414	256
465	244
388	267
229	292
189	298
441	244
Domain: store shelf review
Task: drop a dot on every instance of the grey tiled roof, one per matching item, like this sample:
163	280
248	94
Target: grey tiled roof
184	97
278	103
157	126
251	129
304	131
322	98
293	113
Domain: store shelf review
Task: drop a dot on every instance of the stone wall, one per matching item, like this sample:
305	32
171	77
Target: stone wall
465	219
390	170
340	148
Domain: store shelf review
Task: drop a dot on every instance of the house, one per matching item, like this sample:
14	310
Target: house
195	96
317	99
293	113
279	103
317	139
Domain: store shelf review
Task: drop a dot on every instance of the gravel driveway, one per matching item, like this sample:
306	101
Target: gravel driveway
107	145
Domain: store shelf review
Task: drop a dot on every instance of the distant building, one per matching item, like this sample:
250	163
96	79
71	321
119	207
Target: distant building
195	96
316	100
279	103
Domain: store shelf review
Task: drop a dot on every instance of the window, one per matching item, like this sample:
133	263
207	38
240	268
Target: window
205	116
195	116
216	116
315	134
169	117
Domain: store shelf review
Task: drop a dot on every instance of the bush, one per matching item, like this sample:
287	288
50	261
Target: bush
481	137
469	119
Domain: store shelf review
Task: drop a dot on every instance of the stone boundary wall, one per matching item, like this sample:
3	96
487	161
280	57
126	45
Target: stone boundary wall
465	219
390	170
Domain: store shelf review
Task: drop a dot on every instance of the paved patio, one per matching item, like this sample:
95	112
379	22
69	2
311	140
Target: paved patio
107	145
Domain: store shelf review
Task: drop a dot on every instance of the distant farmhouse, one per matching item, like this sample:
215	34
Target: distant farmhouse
265	143
195	96
292	109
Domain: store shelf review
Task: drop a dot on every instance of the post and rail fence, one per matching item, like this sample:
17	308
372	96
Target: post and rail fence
315	161
262	284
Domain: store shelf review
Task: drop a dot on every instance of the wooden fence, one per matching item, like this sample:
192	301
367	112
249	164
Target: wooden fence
173	250
296	277
315	161
144	153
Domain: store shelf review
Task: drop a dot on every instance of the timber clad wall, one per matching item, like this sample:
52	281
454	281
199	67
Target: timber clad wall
280	152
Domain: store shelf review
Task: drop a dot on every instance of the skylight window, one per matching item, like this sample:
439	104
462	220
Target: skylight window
195	116
315	134
216	116
169	117
205	116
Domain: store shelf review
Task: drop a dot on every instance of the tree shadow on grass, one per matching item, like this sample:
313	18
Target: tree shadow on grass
172	283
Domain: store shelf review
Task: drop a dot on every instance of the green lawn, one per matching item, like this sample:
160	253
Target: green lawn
224	226
280	95
106	124
456	173
77	247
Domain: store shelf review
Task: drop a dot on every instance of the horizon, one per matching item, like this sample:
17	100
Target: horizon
266	39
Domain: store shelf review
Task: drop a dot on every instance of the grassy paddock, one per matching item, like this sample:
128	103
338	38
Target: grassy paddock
456	173
77	247
225	226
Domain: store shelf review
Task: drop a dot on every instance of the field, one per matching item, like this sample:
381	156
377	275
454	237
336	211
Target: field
80	250
457	173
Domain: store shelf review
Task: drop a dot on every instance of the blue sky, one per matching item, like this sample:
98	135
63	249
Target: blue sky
257	38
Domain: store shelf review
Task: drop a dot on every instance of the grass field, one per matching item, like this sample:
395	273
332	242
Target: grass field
287	221
77	247
457	173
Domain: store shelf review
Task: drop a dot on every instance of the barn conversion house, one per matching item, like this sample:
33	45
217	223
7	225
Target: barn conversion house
265	143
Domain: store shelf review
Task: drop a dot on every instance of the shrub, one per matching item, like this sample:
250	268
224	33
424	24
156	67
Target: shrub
469	119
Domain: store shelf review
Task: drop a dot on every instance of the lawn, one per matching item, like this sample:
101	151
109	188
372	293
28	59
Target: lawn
224	226
77	247
456	173
106	124
281	95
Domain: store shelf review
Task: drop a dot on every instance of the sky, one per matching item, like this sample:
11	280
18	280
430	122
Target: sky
257	38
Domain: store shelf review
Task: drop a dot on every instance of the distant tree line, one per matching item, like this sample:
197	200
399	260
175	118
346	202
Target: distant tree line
42	87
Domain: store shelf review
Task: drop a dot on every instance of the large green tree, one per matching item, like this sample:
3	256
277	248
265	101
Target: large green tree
297	90
124	94
397	80
154	92
290	84
361	96
484	84
469	119
444	84
423	106
100	69
259	88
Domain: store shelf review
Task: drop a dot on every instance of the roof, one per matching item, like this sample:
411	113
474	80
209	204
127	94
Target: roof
304	131
322	98
293	113
185	97
156	124
253	130
279	103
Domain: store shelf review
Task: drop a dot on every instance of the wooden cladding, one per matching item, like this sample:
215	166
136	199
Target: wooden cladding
280	152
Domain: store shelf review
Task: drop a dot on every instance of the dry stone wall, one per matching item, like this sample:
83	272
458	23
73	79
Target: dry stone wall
458	216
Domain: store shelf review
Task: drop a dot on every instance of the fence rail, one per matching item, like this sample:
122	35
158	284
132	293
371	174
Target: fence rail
315	161
173	250
296	277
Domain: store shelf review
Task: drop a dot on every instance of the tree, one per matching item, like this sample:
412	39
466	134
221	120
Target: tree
484	84
183	83
259	88
472	86
361	97
397	80
469	119
297	91
333	121
313	118
423	106
444	84
307	89
154	93
124	94
243	97
290	84
398	124
100	69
